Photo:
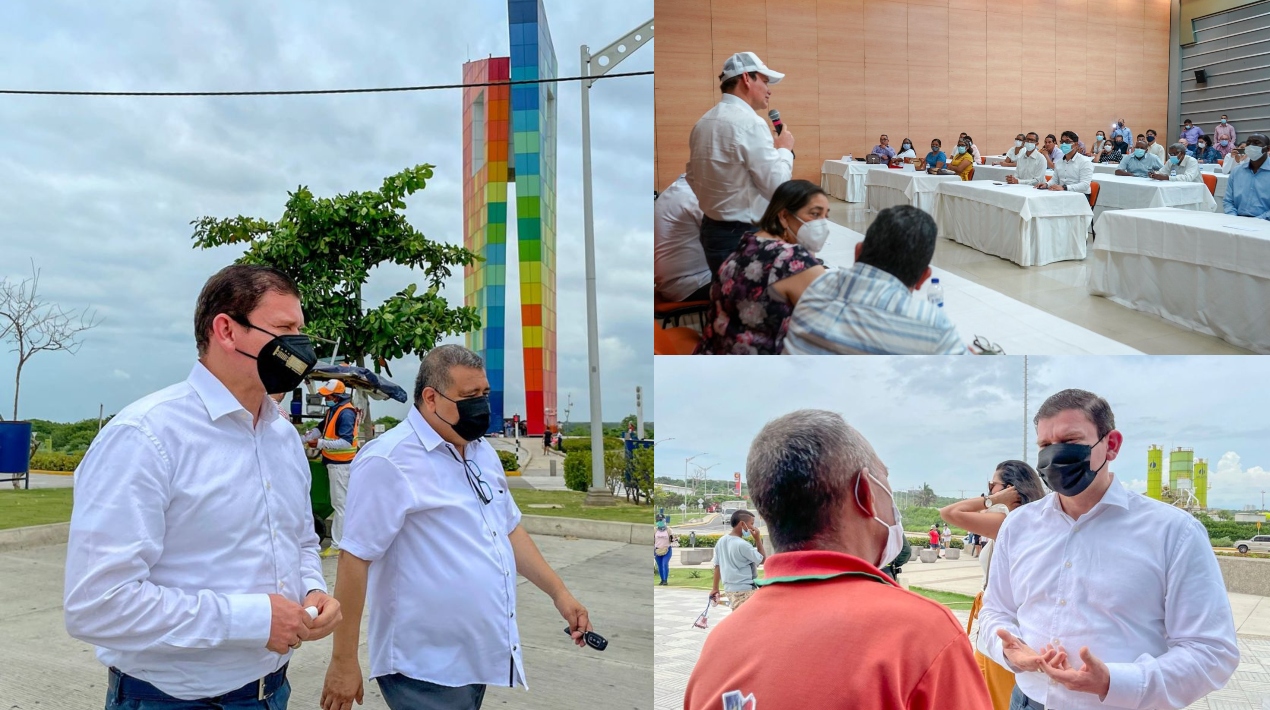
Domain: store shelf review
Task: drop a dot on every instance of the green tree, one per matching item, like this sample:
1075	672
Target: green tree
642	473
925	497
388	422
329	246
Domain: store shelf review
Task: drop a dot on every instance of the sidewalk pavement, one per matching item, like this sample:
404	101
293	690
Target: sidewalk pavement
679	643
535	469
43	668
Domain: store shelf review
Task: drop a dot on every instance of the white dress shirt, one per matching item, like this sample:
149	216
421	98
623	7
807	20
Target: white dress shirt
442	585
1228	163
1158	151
1187	170
1013	154
734	167
679	261
910	153
1031	168
187	517
1075	174
1133	579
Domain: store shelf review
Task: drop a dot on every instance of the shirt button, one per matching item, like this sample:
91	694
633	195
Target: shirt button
1055	642
1068	565
1075	528
515	648
1062	602
268	485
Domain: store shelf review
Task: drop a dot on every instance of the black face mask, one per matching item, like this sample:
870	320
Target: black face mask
284	361
473	417
1065	467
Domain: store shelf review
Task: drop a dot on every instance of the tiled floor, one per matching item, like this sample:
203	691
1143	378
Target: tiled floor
678	643
1058	289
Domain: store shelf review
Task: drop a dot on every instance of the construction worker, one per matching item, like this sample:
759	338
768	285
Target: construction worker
337	440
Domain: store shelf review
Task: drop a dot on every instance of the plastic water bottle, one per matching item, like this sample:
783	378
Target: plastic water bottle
935	293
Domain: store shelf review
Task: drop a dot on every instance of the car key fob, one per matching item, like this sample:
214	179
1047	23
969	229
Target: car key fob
592	639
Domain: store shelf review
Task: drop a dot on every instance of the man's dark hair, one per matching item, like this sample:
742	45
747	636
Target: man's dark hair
790	197
1023	478
1143	136
1032	134
1094	407
730	84
236	291
1187	121
1071	134
1152	132
901	242
969	140
435	366
740	515
1050	136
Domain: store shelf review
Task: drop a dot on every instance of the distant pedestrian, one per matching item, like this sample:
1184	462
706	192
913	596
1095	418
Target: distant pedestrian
934	537
546	441
946	537
661	550
736	561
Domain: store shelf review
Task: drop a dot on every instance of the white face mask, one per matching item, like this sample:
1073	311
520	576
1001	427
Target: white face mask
894	531
1018	144
1253	152
813	235
1030	145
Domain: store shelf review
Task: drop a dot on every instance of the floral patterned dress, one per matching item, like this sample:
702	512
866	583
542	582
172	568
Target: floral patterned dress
746	316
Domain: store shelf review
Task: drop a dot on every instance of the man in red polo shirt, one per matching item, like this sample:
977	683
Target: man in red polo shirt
831	630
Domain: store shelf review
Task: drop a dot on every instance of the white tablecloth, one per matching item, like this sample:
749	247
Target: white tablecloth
1123	192
844	180
1020	329
993	159
1028	226
1218	193
1207	272
997	173
888	188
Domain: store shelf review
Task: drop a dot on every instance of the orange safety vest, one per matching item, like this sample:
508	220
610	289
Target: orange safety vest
332	419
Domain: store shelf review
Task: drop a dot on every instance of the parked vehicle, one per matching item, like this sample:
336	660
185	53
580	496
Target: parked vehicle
1259	543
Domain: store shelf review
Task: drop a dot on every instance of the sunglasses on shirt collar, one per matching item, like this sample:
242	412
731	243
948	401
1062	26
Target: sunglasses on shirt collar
473	473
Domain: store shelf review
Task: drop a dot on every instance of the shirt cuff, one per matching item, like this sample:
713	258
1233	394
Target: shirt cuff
1128	681
315	584
250	619
782	152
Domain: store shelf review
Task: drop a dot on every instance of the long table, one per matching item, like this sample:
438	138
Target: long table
1028	226
888	188
1122	192
845	180
1020	329
1204	271
997	173
1219	191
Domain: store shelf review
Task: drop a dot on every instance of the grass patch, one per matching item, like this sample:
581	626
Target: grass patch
684	579
20	509
948	599
571	501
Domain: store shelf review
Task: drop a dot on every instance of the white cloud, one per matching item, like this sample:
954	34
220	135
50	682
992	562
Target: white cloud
120	375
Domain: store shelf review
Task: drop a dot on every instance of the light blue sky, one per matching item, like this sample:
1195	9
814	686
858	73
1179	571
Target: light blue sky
948	421
100	191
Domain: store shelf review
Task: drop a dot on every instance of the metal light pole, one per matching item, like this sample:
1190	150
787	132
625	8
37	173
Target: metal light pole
686	462
605	60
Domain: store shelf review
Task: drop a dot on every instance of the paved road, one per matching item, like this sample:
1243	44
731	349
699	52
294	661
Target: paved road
41	668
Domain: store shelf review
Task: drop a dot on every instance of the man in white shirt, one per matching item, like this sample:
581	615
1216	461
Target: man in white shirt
1012	155
1031	163
680	272
1155	148
1187	166
734	164
1073	172
433	540
192	553
1100	597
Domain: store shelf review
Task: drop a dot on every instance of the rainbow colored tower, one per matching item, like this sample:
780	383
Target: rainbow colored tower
509	134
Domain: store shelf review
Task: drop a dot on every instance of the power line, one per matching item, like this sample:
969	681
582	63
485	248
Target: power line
315	92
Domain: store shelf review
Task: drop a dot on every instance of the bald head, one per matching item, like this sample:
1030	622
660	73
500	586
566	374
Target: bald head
802	470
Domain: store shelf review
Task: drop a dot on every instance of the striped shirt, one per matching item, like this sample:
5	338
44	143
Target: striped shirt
864	310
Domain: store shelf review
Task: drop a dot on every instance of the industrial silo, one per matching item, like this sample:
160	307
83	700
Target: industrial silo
1201	482
1181	463
1154	471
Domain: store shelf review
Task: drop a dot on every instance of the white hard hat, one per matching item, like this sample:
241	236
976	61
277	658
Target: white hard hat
746	62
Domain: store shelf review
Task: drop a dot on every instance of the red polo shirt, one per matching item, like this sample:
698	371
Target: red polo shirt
829	630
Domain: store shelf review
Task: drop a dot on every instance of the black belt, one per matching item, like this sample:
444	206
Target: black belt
726	223
125	687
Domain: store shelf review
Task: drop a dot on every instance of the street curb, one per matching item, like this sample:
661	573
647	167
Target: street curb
629	533
34	536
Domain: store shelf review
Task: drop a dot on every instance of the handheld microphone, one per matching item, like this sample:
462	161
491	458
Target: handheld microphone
776	120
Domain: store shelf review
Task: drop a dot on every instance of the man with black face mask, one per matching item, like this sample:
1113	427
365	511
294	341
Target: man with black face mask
192	563
1100	597
433	538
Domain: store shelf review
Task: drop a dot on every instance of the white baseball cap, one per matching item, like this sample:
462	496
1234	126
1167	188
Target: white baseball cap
746	62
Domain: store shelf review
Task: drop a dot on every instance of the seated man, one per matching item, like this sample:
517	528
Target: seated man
1248	191
883	149
1012	155
1234	158
1073	172
1155	148
680	272
1032	164
1139	163
869	307
1186	166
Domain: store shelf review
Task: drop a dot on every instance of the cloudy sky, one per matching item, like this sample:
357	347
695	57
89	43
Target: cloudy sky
100	191
949	421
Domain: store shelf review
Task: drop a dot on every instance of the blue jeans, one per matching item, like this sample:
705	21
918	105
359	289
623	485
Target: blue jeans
278	701
663	564
403	693
1019	701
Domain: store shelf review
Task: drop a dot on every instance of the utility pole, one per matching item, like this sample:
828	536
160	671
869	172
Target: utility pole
639	412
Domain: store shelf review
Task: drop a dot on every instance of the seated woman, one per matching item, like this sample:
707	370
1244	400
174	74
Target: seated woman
759	284
963	161
935	159
1205	152
1099	142
906	154
1109	153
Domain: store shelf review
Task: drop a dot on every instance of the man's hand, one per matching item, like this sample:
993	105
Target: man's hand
329	614
785	139
1011	180
1159	176
1094	677
1124	173
574	613
343	684
290	626
1021	655
1056	187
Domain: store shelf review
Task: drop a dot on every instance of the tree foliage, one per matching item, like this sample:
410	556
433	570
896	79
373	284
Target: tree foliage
926	497
329	246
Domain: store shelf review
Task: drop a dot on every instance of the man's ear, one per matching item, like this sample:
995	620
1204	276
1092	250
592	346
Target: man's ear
858	248
925	275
